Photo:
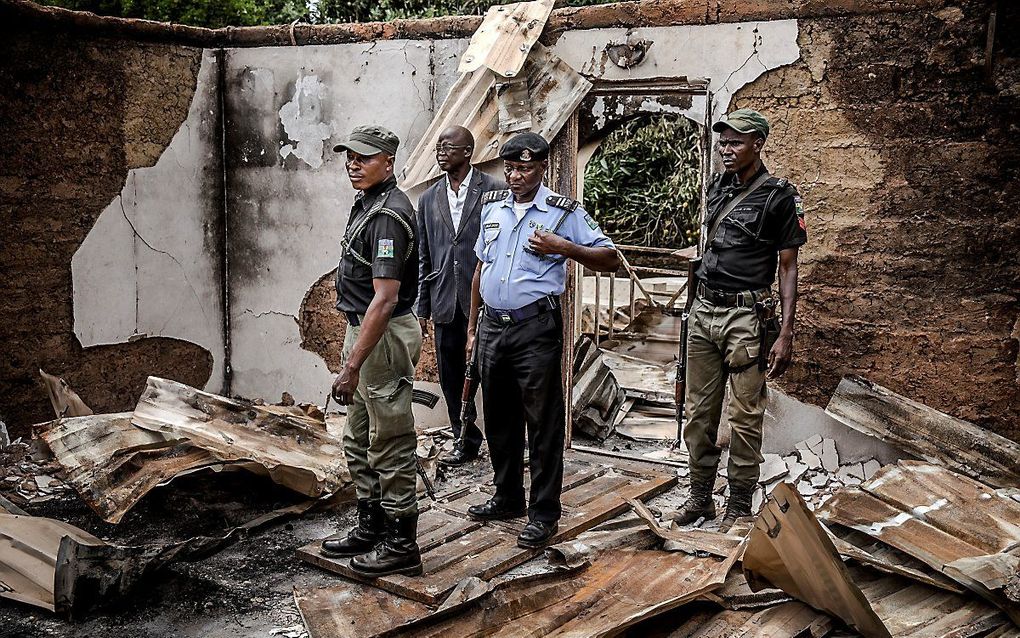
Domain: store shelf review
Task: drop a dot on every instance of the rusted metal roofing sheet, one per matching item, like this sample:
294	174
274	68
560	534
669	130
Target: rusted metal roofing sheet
296	450
554	92
926	432
113	464
787	548
505	38
954	524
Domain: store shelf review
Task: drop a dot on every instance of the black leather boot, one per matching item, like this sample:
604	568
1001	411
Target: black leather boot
699	503
738	505
461	454
369	531
397	554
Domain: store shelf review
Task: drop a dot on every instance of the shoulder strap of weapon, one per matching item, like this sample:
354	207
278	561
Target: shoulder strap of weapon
378	208
728	208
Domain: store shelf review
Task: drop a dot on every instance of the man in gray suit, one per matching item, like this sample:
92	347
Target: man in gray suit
448	220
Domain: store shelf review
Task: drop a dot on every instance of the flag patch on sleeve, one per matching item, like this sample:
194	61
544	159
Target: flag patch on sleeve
385	248
591	222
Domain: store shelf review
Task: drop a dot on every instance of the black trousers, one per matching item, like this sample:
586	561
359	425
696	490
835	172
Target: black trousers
521	385
451	339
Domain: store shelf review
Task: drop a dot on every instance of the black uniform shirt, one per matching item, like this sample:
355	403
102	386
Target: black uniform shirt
744	252
389	244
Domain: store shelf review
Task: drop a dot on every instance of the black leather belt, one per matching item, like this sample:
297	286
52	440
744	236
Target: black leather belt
354	319
744	299
533	309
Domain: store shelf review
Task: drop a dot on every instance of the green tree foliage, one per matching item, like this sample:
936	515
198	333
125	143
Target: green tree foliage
200	13
221	13
643	184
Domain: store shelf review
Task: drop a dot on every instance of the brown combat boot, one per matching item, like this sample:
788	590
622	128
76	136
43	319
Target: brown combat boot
699	504
738	505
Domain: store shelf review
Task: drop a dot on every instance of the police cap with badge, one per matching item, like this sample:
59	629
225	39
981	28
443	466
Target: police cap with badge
525	147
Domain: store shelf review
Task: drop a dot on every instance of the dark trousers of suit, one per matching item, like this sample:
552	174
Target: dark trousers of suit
521	385
451	340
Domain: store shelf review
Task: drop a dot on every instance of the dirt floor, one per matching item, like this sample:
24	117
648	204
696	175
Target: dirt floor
245	589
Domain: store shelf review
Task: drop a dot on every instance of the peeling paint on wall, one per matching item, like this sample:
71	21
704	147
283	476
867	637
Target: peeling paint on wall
301	119
151	264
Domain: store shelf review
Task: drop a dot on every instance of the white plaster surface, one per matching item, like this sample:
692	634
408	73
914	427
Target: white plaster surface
285	217
728	55
150	265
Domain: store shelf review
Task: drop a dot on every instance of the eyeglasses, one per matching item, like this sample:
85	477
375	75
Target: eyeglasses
446	149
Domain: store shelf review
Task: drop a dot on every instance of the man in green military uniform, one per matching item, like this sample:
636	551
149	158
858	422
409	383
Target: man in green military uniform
754	221
376	283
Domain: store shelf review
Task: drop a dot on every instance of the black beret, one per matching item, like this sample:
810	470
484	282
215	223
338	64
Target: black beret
525	147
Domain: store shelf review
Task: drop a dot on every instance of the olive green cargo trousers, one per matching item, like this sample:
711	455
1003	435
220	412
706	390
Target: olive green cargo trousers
720	338
379	439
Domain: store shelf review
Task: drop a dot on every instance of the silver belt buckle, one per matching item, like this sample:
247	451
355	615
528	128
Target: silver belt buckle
505	317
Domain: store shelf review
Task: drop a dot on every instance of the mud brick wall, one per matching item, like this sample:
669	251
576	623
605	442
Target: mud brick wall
906	153
77	113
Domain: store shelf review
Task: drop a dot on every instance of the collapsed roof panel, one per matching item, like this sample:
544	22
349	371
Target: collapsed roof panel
506	36
926	432
956	525
554	91
113	464
296	449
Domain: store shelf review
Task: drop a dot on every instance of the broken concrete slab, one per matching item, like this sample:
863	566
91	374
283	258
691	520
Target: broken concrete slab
773	468
788	549
829	456
925	432
297	451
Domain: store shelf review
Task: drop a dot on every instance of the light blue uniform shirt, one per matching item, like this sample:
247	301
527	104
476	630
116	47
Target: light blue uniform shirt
511	277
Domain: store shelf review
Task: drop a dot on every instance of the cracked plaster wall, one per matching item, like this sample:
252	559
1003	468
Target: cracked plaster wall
287	210
151	265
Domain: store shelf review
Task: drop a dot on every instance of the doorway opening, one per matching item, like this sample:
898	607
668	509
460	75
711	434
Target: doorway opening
643	161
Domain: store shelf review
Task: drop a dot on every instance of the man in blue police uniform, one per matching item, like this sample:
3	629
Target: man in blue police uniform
528	233
448	214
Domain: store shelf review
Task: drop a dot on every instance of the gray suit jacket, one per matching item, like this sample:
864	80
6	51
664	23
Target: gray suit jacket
446	254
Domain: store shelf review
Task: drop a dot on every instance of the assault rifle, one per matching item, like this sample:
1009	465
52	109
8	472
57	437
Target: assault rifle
680	388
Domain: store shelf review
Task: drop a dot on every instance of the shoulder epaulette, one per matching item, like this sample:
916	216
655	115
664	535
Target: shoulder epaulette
559	201
494	196
778	182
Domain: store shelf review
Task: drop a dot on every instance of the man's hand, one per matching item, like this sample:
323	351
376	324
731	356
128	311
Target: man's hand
424	323
781	355
546	243
470	344
345	384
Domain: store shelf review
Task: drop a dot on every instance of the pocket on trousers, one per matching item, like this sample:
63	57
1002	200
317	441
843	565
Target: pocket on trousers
389	408
745	354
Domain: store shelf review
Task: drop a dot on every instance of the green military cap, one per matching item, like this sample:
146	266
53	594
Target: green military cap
744	121
369	140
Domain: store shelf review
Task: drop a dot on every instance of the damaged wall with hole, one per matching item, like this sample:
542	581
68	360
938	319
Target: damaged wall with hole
909	277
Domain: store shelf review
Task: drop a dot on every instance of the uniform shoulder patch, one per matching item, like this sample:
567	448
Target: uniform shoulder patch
588	219
384	249
494	196
559	201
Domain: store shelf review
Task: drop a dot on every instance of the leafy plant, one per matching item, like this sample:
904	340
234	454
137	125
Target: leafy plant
643	184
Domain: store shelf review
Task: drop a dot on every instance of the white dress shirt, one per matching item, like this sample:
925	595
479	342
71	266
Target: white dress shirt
457	198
